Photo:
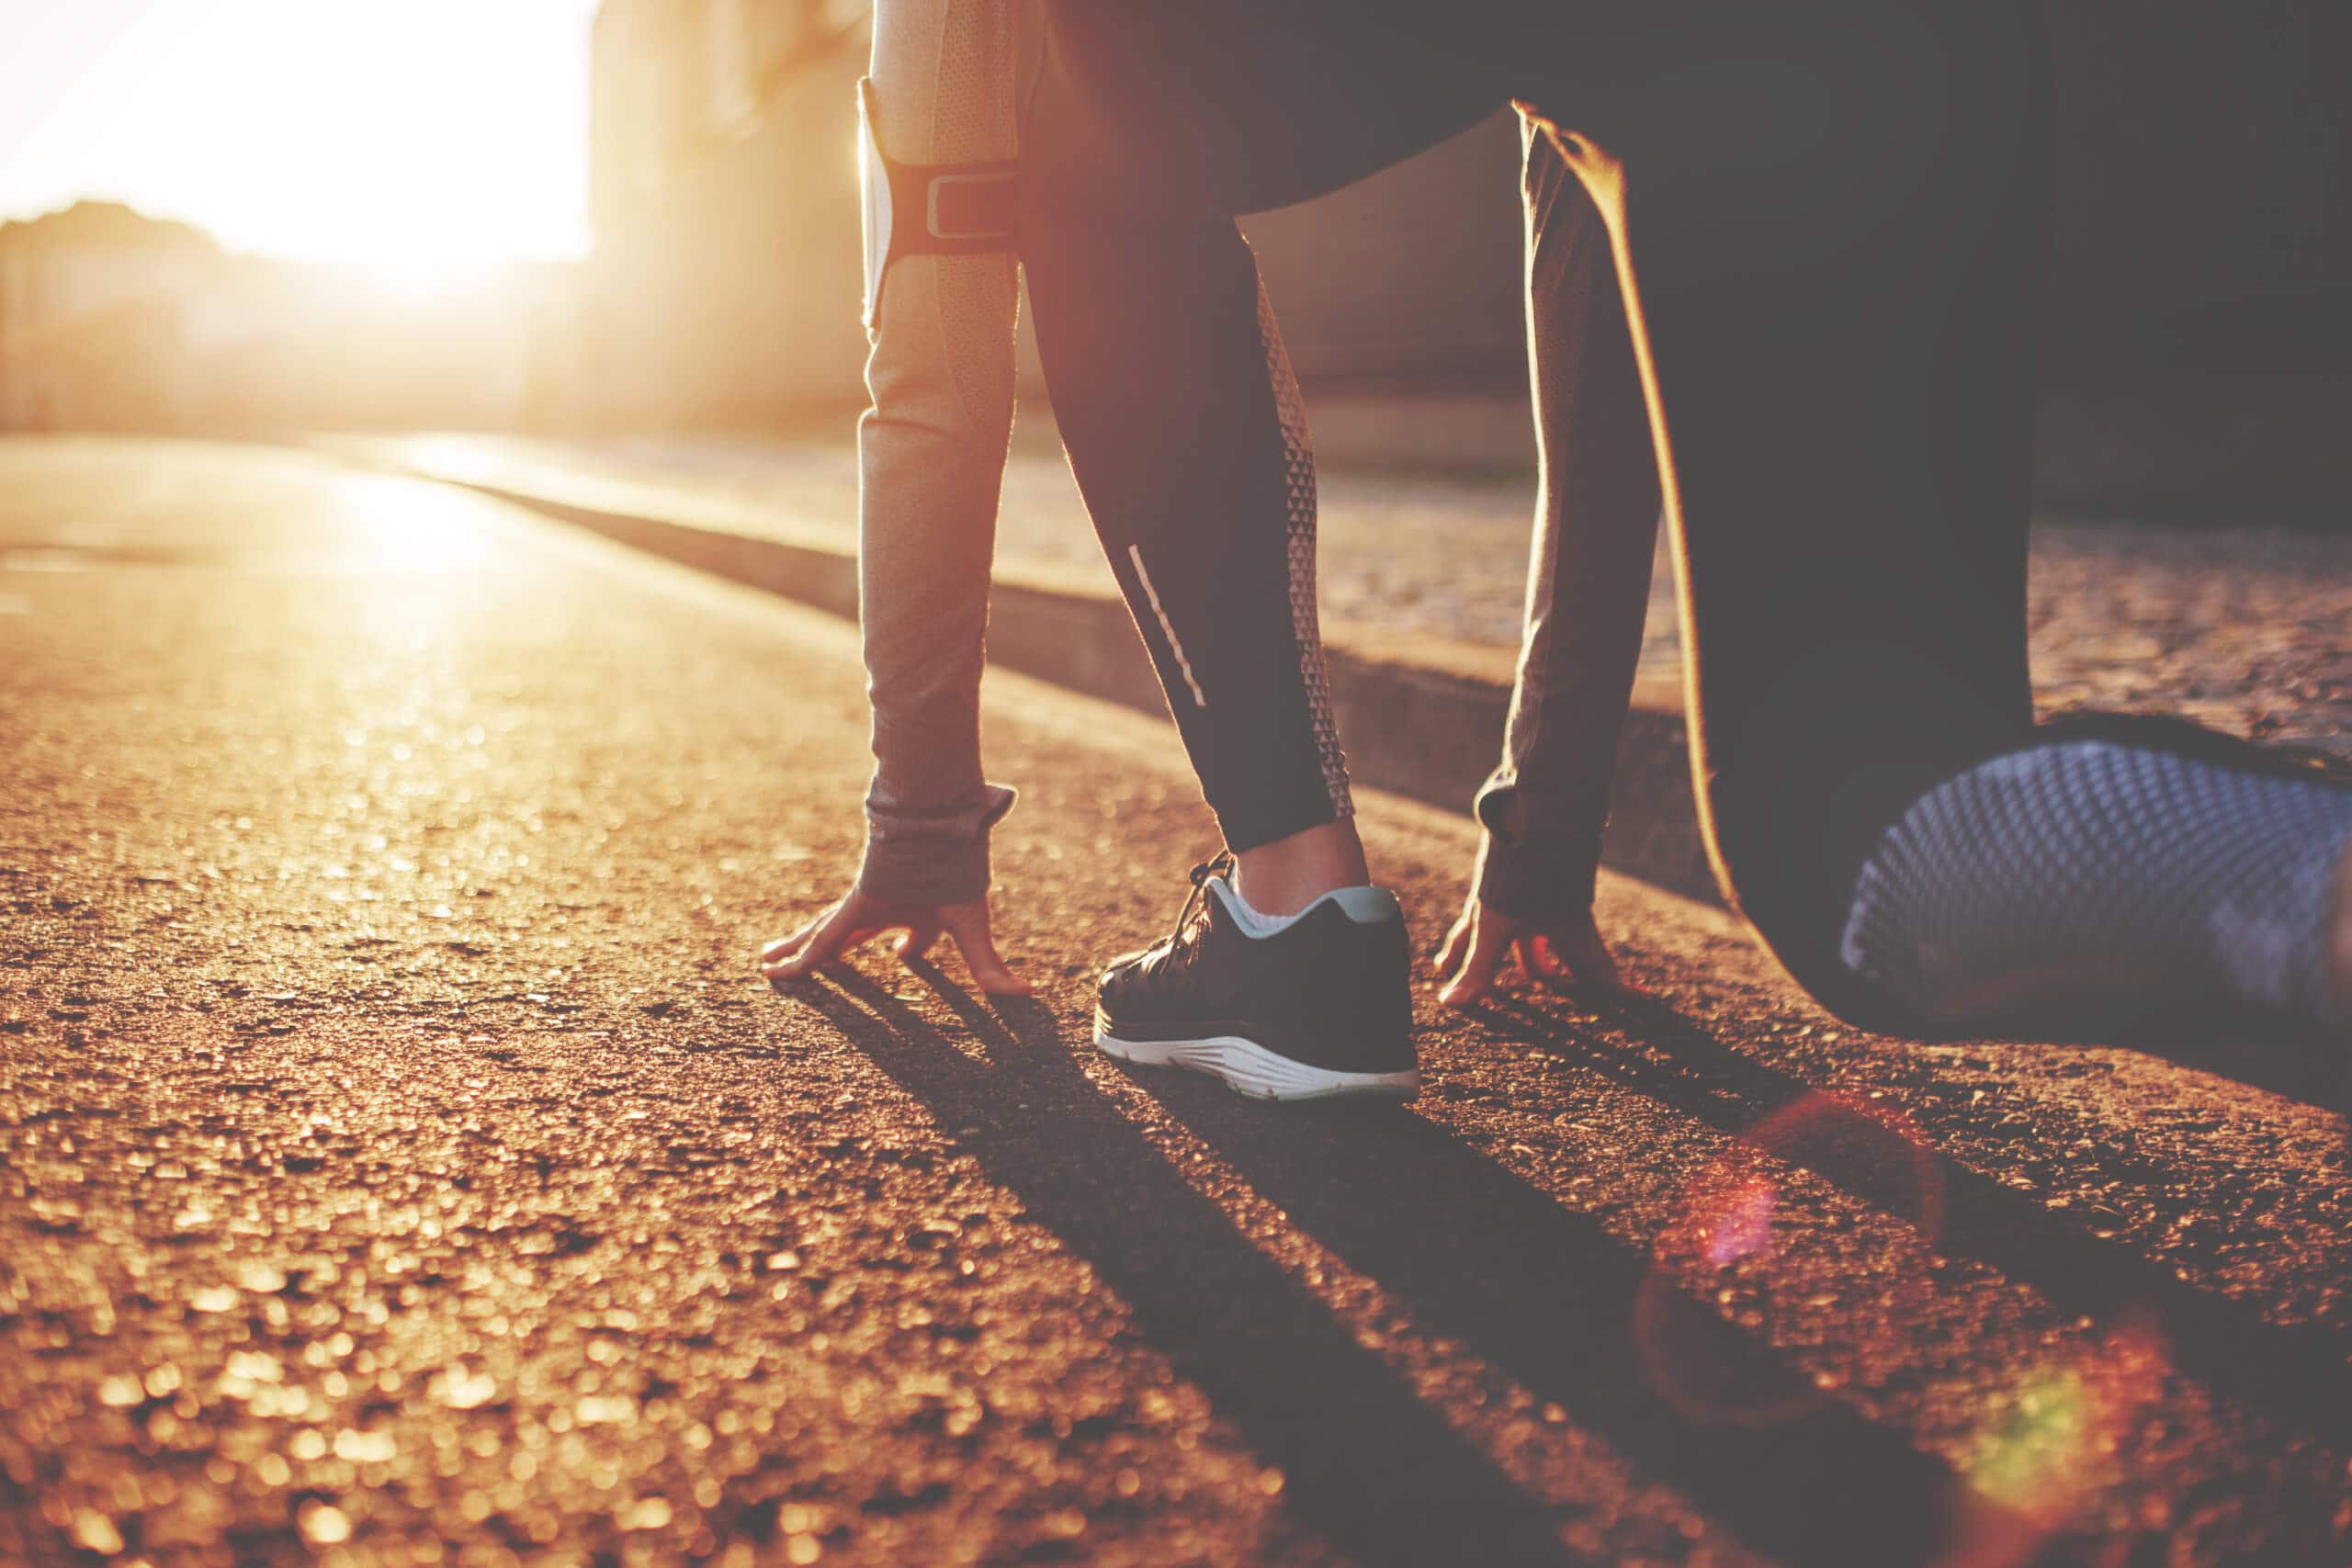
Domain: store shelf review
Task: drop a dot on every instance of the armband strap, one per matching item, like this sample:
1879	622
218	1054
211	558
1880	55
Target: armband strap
927	209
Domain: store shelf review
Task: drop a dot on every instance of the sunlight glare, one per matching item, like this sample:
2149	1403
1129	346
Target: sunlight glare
411	529
415	138
425	275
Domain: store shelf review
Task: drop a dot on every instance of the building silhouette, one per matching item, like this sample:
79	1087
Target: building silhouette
97	305
114	321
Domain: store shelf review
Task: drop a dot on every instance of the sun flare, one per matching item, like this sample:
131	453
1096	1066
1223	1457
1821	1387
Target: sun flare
415	139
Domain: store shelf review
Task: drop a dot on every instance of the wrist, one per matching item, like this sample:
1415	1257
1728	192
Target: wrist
931	857
1537	881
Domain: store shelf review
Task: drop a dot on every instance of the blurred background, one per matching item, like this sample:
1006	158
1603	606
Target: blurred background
564	219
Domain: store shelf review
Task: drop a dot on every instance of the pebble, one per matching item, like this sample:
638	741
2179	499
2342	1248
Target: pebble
93	1531
323	1523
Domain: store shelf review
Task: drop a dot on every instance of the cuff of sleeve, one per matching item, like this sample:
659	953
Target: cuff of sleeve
1525	871
940	857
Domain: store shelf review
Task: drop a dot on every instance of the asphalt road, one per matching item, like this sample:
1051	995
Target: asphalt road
404	1162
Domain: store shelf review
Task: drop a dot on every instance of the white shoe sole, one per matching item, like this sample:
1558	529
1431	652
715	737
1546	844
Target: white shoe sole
1248	1067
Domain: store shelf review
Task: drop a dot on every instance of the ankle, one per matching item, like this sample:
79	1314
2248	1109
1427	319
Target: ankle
1286	876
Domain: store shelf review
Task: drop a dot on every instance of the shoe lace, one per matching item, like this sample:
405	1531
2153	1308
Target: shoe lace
1215	866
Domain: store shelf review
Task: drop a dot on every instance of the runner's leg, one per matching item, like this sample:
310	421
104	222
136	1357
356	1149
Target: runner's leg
2108	877
1186	433
1184	429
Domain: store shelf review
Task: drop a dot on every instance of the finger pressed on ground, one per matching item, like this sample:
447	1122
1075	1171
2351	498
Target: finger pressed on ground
1479	966
988	969
1451	948
819	942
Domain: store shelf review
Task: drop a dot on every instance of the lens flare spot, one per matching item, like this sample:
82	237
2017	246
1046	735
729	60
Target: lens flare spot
2035	1449
1743	1226
2052	1442
1749	1211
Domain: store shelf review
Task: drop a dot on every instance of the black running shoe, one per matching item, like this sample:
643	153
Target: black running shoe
1322	1007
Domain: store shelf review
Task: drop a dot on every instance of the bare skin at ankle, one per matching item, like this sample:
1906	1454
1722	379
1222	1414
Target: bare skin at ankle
1286	877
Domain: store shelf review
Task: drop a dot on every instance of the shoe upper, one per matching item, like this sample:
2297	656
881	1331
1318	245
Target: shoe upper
1328	989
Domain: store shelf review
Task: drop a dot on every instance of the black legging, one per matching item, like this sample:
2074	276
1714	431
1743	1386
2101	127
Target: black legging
1831	212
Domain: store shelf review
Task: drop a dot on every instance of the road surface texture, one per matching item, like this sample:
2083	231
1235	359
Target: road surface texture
402	1162
2241	628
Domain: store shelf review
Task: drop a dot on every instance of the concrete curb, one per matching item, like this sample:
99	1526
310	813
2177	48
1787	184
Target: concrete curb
1426	723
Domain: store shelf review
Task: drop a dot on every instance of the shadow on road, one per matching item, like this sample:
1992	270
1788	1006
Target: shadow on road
1342	1424
2295	1373
1472	1252
1552	1298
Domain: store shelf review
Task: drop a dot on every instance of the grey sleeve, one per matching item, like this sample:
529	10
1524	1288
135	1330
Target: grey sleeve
931	460
1588	571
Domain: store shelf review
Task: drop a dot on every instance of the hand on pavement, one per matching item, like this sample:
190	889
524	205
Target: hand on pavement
1563	954
857	919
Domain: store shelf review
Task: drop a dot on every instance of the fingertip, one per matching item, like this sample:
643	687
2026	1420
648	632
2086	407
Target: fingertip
995	980
994	973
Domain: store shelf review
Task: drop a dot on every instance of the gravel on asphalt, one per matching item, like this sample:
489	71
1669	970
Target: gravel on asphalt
402	1162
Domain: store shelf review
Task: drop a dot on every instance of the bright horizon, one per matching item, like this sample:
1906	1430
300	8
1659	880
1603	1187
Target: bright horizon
413	136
